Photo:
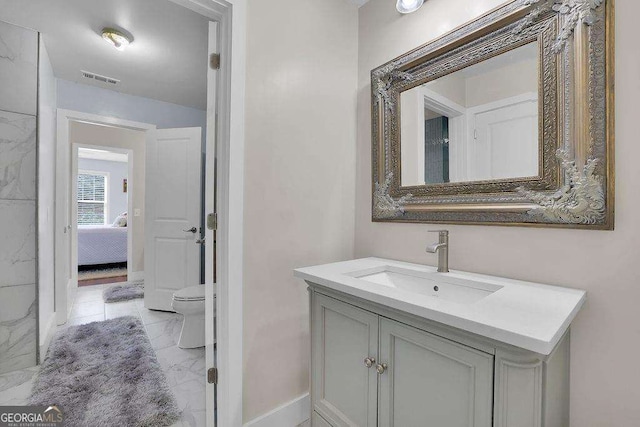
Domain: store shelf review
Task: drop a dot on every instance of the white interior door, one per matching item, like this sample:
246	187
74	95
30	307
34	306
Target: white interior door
210	234
506	138
172	215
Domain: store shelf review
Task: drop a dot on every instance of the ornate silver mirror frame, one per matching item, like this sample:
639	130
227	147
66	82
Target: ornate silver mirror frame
575	185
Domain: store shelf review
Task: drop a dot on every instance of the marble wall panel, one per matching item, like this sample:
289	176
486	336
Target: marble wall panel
18	67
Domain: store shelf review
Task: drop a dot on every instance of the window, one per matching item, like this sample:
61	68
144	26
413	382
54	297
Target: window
92	198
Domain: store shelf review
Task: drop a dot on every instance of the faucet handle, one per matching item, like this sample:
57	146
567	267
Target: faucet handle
439	231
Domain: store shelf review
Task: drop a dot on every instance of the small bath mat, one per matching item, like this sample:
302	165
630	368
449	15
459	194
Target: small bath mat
124	292
105	374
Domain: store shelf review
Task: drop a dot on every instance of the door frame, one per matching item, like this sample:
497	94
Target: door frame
65	224
230	130
131	187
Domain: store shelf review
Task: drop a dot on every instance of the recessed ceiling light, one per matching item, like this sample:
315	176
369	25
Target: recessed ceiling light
116	38
408	6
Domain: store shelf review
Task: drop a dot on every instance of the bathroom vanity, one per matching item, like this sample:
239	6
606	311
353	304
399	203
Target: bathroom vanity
399	344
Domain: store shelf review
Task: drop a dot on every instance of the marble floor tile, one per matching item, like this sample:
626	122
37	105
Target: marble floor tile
181	365
120	309
190	396
90	288
153	316
75	321
192	419
164	334
90	296
84	309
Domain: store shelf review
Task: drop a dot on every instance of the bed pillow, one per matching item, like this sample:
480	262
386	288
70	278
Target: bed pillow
121	220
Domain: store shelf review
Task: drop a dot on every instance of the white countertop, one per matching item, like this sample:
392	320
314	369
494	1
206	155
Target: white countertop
528	315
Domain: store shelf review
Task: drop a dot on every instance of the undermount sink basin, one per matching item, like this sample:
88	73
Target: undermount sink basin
436	285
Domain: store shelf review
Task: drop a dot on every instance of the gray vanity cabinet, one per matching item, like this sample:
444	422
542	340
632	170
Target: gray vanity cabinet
344	389
373	366
431	381
371	371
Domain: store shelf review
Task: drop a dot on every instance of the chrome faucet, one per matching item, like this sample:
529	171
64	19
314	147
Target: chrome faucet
442	249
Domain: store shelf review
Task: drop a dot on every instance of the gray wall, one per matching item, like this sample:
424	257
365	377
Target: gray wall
18	93
105	102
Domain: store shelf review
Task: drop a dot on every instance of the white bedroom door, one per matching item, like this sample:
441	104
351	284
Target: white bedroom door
172	215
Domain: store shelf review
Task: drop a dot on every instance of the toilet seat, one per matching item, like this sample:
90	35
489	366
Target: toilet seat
191	293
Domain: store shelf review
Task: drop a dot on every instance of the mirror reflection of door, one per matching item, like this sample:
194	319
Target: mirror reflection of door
476	124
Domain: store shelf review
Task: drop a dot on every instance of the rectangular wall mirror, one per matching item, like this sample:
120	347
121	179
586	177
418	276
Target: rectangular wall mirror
506	120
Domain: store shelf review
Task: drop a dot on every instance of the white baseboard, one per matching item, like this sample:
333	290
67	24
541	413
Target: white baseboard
136	275
290	414
46	335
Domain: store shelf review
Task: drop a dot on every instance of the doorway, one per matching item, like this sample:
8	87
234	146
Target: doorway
103	228
227	137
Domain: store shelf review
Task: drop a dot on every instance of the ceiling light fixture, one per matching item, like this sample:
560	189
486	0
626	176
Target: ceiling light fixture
408	6
116	38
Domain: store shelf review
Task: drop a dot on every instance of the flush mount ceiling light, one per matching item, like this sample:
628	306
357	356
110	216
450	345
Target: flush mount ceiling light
408	6
116	38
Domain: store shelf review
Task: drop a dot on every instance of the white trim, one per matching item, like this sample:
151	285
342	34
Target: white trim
135	276
231	16
290	414
441	104
501	103
66	285
95	154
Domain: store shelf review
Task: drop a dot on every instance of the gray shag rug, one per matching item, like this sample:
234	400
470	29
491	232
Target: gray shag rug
105	374
124	292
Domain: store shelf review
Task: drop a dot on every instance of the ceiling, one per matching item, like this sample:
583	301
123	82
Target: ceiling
167	60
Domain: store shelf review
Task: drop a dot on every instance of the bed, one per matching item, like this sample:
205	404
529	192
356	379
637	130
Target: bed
102	245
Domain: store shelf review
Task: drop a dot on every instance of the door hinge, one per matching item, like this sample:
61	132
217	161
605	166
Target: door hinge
214	61
212	375
212	221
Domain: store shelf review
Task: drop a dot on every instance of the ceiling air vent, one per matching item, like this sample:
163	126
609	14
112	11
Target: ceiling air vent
100	78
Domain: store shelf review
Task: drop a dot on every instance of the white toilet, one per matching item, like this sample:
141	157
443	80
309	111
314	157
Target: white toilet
190	303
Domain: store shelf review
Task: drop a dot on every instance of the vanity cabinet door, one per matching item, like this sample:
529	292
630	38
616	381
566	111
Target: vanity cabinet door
344	389
432	382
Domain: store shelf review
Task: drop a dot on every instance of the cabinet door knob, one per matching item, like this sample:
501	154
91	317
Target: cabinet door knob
381	368
369	361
